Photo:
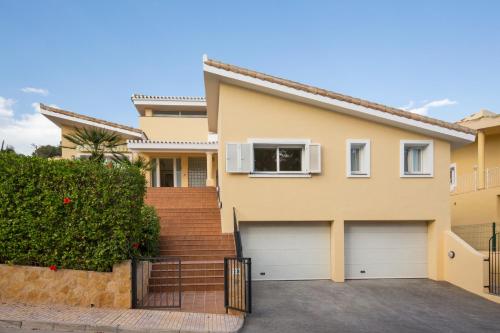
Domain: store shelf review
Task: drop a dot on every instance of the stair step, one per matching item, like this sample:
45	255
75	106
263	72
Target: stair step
175	251
186	272
157	281
187	287
189	247
197	237
202	257
196	242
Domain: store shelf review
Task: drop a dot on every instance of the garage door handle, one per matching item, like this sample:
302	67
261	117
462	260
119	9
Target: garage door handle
363	271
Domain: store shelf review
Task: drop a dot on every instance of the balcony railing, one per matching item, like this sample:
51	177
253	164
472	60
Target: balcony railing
470	182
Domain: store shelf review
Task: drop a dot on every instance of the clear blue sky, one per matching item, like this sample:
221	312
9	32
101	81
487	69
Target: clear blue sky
90	56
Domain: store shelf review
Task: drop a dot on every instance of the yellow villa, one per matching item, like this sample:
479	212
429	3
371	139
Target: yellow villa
318	184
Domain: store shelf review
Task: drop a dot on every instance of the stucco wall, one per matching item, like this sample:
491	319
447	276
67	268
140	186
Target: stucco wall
175	128
40	285
329	196
467	269
476	207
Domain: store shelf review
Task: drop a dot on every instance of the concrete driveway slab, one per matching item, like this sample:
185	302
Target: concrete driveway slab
390	305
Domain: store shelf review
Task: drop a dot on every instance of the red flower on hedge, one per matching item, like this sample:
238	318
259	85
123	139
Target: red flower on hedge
135	245
66	200
53	268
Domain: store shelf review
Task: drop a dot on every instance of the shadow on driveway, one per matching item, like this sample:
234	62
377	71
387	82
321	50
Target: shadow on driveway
392	305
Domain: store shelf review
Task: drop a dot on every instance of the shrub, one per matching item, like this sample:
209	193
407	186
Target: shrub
149	244
72	214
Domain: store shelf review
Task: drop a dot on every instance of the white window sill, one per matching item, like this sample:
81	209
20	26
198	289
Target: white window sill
279	175
417	175
358	175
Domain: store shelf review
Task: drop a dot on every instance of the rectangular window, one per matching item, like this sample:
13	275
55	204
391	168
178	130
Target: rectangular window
278	159
417	158
358	158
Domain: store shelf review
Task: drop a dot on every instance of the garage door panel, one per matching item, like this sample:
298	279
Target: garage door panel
287	251
387	227
403	255
268	257
387	270
290	272
385	250
398	240
263	237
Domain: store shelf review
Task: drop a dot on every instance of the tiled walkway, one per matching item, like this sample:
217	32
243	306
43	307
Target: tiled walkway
57	318
203	301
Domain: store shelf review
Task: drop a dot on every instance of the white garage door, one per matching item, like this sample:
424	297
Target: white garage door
385	250
287	251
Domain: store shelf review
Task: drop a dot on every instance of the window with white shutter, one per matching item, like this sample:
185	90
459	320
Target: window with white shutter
238	157
268	158
232	157
315	158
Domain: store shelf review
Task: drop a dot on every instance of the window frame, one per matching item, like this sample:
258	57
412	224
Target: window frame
365	159
453	180
277	144
427	158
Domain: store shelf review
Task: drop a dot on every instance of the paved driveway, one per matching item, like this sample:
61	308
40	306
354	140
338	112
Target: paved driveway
369	306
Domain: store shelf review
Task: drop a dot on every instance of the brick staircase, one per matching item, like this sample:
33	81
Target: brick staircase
190	230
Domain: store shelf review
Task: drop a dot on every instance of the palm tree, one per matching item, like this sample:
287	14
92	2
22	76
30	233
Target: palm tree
6	148
139	162
96	141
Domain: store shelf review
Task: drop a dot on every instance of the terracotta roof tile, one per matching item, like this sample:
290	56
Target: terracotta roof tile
337	96
81	116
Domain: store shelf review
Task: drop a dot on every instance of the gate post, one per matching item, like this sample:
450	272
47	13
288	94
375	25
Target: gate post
494	239
134	283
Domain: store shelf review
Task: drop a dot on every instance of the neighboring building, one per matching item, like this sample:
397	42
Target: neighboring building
475	180
324	186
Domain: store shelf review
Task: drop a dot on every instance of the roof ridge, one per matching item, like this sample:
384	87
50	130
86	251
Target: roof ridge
84	117
337	96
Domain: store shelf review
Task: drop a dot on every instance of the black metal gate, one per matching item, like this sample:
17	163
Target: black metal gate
494	265
238	284
156	282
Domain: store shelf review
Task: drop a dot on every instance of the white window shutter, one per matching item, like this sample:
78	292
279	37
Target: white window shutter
238	157
314	158
245	157
232	157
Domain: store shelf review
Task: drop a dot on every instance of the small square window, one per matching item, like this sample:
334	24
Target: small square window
358	158
417	158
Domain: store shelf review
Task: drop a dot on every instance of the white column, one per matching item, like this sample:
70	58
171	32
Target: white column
210	178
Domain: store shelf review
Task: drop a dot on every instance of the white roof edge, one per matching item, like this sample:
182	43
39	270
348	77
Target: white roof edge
362	111
151	145
91	123
167	102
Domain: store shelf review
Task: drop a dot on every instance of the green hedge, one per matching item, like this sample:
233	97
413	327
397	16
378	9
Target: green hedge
103	224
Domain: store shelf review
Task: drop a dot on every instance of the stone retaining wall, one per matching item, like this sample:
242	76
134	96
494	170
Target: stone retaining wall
40	285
